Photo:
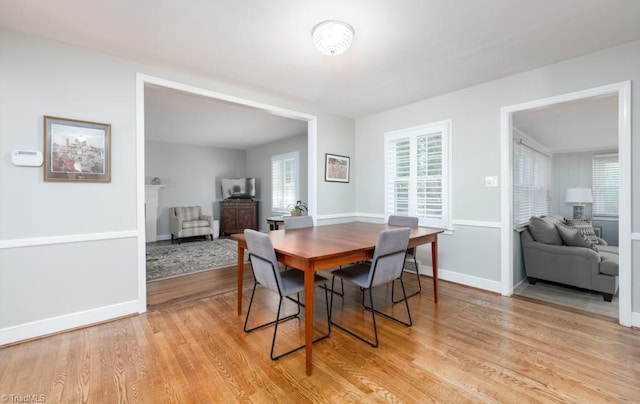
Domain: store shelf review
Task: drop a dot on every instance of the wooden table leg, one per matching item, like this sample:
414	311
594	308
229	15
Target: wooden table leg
308	319
434	261
240	276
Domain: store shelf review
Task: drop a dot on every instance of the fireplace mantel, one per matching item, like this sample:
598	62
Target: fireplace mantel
151	211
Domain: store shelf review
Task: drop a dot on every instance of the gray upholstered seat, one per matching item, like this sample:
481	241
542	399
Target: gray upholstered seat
385	267
407	221
284	283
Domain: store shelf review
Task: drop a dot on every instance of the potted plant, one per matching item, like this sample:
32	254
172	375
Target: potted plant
298	208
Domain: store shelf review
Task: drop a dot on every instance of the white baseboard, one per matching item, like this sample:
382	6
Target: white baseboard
635	319
467	280
66	322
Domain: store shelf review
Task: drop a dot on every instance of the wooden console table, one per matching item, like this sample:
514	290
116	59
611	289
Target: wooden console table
275	222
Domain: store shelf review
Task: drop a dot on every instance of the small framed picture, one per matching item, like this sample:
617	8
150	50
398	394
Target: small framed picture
76	150
336	168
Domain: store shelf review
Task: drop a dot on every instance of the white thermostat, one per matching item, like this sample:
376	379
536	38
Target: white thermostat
28	158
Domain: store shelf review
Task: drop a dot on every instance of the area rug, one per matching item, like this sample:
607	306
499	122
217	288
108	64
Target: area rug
166	261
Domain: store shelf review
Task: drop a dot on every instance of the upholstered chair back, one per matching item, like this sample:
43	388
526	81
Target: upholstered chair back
263	260
388	257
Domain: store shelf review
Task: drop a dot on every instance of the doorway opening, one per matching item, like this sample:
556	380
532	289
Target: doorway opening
511	272
141	82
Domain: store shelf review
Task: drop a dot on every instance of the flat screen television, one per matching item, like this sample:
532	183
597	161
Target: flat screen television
238	188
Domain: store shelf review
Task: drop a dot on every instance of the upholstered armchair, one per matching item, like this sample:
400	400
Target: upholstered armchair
189	222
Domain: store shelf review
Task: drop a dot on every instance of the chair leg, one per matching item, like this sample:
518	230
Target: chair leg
275	329
408	323
373	311
353	334
341	293
277	320
415	262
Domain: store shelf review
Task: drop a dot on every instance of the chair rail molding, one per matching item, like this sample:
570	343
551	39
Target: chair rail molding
70	238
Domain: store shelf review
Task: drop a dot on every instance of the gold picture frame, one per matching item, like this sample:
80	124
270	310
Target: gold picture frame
76	151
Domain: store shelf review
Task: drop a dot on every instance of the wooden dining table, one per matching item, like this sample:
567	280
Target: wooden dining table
322	247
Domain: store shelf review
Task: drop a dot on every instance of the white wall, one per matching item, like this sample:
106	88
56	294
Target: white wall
259	166
70	253
475	113
191	176
336	199
57	240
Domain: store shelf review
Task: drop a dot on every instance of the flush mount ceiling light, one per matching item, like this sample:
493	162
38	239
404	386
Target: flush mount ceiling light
332	37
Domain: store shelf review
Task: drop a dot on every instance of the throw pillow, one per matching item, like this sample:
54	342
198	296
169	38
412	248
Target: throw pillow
572	237
544	231
585	228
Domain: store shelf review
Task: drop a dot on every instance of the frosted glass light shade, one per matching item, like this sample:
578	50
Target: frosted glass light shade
578	195
332	37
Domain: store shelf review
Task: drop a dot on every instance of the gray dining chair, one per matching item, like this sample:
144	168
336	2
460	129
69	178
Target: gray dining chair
297	222
286	283
385	267
406	221
301	222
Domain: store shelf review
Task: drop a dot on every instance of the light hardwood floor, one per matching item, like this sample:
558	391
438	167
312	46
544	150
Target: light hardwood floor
472	346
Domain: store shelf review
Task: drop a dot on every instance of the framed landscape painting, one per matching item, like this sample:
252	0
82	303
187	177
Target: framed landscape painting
336	168
78	151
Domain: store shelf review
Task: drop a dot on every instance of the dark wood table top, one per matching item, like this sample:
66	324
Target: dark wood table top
323	242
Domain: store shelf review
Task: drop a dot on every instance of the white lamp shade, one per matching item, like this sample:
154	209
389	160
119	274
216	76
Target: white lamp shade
332	37
578	195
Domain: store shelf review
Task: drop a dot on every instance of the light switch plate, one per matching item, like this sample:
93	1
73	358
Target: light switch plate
491	181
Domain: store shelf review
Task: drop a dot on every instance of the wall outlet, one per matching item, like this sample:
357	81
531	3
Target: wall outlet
491	181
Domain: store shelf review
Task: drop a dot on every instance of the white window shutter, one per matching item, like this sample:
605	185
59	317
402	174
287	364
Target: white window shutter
605	184
284	181
416	173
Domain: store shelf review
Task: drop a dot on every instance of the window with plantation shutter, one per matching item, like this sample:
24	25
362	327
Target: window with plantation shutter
417	173
530	183
605	180
284	182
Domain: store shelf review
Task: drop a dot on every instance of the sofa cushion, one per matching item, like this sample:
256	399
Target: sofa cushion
585	228
611	249
190	224
572	237
544	231
555	219
188	212
609	264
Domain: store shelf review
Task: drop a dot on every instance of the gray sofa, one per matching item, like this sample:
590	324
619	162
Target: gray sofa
552	251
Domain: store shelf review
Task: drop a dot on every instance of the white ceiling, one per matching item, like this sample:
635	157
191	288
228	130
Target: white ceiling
588	124
178	117
403	50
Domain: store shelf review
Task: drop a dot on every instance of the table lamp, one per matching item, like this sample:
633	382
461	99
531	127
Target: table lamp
578	197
